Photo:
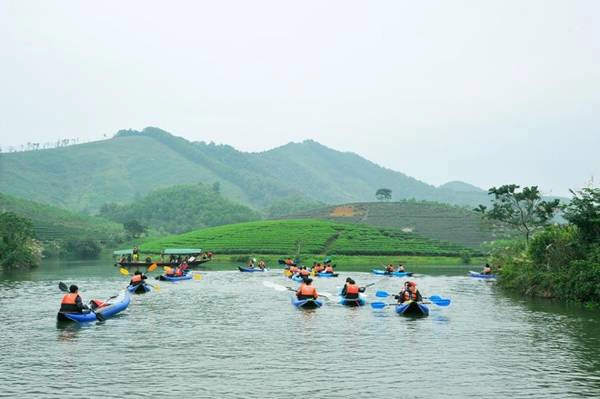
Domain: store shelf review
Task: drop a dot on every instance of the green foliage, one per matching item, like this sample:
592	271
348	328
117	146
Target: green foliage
177	209
52	224
555	247
465	256
584	212
307	237
443	222
86	248
85	176
134	228
524	210
383	194
17	245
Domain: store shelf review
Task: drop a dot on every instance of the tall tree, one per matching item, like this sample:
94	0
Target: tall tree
524	210
383	194
584	212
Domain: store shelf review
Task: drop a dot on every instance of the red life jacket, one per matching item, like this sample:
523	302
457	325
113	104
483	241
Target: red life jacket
178	272
304	272
69	299
293	269
137	278
352	289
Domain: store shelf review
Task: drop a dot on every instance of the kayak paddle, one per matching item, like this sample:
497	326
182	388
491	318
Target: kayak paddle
125	272
435	299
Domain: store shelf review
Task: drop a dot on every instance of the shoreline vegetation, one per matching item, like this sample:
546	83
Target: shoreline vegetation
558	261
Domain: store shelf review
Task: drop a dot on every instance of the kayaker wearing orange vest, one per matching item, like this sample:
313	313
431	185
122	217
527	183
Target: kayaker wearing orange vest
329	269
351	290
137	278
304	272
71	302
306	290
410	293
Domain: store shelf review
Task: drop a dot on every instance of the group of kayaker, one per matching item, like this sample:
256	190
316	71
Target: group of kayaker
391	269
252	263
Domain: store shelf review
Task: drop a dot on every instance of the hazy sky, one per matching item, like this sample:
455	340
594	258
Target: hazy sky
488	92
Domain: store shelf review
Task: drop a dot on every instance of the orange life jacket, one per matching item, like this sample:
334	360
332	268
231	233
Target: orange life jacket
352	289
289	262
329	269
307	291
178	272
69	299
136	278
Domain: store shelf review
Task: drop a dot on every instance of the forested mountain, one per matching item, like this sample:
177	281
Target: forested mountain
181	208
132	164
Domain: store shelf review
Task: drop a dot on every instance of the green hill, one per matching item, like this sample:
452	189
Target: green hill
133	164
429	219
55	224
307	236
181	208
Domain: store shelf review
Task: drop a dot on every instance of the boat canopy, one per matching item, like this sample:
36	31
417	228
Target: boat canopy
123	252
182	251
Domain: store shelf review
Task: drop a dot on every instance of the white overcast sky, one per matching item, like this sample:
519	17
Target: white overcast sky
488	92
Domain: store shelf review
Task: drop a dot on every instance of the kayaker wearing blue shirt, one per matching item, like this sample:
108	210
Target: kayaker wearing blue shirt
351	290
71	302
137	278
487	269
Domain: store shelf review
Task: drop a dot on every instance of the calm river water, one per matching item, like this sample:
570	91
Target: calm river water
230	336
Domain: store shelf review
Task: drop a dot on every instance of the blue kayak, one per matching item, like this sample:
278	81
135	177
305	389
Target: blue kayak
138	289
187	276
107	312
306	303
481	275
297	278
360	301
323	274
412	308
252	269
396	274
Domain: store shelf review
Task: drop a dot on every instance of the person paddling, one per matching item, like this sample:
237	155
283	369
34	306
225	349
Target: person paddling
138	278
389	269
351	290
410	293
401	268
261	264
329	269
306	290
487	269
304	272
71	302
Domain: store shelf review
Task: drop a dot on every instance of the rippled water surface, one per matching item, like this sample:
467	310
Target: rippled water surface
230	336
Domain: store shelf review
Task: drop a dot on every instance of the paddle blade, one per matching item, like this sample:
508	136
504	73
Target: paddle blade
100	316
382	294
152	267
197	276
287	273
441	302
167	269
378	305
124	271
156	287
63	287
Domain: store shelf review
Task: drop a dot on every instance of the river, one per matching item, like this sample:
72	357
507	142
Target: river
228	335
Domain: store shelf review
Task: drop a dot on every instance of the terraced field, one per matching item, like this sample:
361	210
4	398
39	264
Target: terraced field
306	237
55	224
429	219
